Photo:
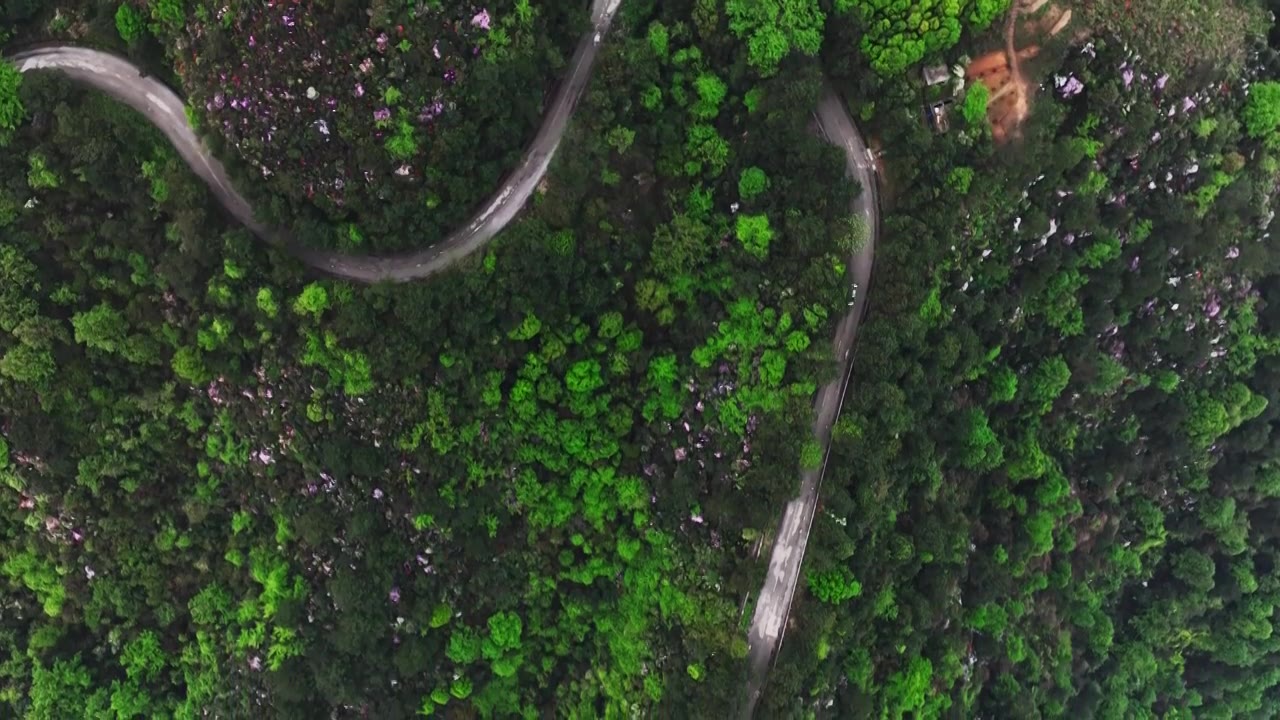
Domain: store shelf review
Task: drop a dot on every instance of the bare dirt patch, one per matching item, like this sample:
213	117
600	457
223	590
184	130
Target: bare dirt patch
1001	70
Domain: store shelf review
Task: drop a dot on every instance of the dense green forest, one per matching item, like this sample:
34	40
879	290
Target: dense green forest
1057	476
533	483
543	483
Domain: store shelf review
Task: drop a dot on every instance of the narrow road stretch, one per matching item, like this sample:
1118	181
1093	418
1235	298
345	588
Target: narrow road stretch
164	109
774	603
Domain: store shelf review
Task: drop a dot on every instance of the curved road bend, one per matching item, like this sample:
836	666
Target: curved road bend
774	603
164	109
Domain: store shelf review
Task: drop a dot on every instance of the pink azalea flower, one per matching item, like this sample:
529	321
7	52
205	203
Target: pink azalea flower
481	20
382	114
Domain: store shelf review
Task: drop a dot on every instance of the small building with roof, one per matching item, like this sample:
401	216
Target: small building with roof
935	75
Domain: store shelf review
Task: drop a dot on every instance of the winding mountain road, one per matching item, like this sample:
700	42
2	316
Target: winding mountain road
164	109
773	606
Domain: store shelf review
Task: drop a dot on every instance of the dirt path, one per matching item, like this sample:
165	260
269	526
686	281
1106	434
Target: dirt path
1019	83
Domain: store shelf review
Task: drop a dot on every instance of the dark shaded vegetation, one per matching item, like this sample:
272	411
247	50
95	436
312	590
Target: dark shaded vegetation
533	485
530	485
1055	477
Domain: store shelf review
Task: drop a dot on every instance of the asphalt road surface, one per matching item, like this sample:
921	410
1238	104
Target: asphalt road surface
773	606
164	109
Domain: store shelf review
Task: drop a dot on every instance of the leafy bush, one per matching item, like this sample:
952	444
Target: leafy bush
900	33
129	23
974	106
754	233
834	586
773	28
752	183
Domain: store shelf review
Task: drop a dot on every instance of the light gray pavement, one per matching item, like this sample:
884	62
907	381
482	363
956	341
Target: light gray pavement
773	606
164	109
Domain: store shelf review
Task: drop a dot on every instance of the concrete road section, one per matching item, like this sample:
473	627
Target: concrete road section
773	605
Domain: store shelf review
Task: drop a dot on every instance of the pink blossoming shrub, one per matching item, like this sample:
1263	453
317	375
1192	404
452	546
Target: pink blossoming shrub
351	117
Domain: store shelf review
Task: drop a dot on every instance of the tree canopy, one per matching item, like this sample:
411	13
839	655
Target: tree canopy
547	479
